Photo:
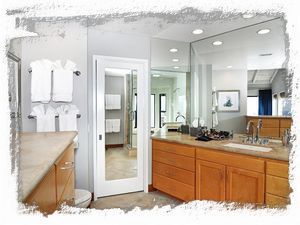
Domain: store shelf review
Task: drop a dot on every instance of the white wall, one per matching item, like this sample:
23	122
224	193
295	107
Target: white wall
60	41
232	80
118	45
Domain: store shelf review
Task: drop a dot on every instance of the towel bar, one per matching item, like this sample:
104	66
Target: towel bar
33	117
77	73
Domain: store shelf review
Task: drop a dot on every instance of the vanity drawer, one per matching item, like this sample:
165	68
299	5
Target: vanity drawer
269	132
64	167
231	159
175	188
285	123
175	173
279	169
266	123
273	200
173	148
180	161
277	186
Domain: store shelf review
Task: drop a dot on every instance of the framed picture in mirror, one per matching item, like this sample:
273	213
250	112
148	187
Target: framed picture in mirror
228	100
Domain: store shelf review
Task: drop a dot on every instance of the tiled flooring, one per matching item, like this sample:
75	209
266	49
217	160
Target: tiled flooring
120	164
129	201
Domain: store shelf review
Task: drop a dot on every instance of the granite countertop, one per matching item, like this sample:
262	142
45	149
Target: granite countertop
278	151
38	152
270	117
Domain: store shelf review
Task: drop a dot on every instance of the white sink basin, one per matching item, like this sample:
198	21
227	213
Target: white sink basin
249	147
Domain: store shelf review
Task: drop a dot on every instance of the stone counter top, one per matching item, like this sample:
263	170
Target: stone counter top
38	152
278	151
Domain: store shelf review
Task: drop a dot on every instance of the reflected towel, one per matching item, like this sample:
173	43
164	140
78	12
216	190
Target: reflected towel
112	101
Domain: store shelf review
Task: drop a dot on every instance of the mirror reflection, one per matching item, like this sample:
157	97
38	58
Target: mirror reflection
120	123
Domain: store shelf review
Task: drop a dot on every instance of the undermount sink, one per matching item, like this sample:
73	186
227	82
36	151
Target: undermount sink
249	147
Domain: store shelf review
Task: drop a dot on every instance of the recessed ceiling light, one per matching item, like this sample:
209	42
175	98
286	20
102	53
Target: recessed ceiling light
156	75
176	67
263	31
173	50
265	54
216	43
228	67
247	15
175	60
197	31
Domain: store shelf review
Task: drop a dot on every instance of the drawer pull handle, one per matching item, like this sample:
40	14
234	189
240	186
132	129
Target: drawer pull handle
69	163
66	167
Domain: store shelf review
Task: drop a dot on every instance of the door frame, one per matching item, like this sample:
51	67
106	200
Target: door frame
145	117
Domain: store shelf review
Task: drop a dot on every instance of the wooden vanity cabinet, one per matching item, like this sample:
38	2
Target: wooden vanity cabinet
272	126
227	176
210	181
57	186
277	184
198	173
173	169
44	195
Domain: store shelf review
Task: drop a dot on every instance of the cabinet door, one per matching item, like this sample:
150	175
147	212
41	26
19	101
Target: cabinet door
244	186
44	195
68	195
210	181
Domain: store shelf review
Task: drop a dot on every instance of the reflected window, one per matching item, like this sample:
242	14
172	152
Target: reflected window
152	110
252	105
162	109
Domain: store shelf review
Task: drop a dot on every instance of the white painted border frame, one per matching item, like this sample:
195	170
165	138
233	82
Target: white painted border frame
145	85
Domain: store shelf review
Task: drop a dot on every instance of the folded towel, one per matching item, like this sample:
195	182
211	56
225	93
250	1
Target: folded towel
116	125
41	80
45	123
108	126
67	108
67	122
45	119
112	101
63	81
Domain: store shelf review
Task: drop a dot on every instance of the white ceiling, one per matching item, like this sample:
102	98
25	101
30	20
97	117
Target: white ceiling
166	35
241	49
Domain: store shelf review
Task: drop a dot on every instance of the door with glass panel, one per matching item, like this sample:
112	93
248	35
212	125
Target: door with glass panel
119	151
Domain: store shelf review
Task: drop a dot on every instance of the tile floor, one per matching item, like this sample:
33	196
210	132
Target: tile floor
129	201
120	164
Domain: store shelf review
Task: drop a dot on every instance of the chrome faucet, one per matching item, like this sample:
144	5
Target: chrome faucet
179	115
250	124
258	128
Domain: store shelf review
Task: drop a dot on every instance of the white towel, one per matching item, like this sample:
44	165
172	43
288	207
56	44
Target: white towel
45	119
108	126
215	120
67	122
63	81
112	101
41	80
67	108
116	125
67	117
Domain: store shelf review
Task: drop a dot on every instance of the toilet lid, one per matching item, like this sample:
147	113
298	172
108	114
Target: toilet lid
82	196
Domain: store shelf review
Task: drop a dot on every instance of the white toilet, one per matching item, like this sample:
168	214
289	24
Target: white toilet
82	198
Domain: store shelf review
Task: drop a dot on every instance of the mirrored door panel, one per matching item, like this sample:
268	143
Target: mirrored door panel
120	124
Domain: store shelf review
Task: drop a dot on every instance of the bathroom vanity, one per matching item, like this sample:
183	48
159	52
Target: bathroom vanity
47	169
273	126
190	170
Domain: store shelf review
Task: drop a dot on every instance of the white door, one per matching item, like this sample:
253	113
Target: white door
120	125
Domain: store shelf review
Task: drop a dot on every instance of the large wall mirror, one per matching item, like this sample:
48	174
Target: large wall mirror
250	61
170	81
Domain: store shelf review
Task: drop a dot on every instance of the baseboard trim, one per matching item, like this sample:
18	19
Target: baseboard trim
114	146
151	188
